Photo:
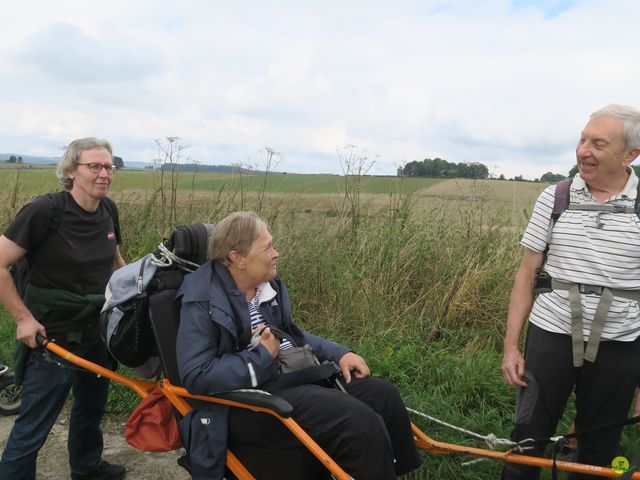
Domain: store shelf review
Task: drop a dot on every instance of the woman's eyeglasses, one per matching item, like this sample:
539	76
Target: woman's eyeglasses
95	167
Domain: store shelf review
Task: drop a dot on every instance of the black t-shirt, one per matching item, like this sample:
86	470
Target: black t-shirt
79	255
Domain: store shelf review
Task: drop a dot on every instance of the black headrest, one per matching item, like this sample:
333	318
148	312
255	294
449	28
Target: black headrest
190	242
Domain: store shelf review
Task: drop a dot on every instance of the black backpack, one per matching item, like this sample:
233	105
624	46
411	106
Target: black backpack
124	321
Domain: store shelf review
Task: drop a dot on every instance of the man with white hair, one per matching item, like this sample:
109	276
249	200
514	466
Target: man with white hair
584	328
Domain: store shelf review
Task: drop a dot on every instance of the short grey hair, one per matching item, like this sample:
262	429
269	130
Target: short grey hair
630	123
238	231
71	157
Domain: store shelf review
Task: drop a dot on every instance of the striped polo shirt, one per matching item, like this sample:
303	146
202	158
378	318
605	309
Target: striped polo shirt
589	247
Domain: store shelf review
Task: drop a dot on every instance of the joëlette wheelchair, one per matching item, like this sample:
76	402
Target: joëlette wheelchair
245	461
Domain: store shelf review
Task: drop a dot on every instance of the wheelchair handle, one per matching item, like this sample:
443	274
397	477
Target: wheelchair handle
41	341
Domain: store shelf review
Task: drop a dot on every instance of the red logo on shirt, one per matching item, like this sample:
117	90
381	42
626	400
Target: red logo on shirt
111	236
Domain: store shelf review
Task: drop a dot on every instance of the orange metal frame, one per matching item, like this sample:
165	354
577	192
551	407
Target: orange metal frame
177	396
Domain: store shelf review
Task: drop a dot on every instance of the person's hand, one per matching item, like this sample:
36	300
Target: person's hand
352	363
26	331
513	367
270	342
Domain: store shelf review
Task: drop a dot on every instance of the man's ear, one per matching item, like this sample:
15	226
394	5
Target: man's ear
632	155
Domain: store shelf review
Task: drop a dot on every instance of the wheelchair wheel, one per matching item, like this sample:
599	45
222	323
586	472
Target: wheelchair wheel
10	396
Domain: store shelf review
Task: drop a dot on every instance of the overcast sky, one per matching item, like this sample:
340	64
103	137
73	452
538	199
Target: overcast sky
506	83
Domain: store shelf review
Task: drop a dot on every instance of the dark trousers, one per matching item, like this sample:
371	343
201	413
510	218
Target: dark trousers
45	388
367	432
604	392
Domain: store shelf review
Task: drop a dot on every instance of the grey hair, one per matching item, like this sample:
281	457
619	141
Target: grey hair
238	231
71	157
630	123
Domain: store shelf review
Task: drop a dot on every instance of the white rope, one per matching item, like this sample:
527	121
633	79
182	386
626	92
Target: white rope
161	261
170	257
470	463
491	440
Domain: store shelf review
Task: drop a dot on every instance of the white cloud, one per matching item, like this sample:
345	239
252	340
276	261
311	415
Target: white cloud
507	83
65	52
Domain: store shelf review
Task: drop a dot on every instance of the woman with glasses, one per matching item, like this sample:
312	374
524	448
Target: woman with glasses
70	240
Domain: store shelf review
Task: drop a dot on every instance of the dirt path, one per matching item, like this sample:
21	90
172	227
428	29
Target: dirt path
53	465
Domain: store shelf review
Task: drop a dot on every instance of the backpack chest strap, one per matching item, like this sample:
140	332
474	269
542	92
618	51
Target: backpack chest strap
605	208
606	295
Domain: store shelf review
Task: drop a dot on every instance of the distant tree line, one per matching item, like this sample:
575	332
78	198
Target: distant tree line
14	159
438	167
550	177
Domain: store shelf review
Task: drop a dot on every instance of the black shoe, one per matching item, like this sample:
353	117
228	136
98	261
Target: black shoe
105	471
185	462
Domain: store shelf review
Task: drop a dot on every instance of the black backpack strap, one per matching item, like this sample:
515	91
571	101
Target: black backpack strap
317	373
57	206
110	206
560	204
561	199
637	204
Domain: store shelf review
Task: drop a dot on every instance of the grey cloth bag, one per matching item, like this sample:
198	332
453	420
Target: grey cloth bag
129	281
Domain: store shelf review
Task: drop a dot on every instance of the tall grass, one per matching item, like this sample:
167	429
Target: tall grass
421	293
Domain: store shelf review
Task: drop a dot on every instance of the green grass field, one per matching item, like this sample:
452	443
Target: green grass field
414	274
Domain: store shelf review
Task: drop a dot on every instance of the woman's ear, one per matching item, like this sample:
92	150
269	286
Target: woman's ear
237	259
